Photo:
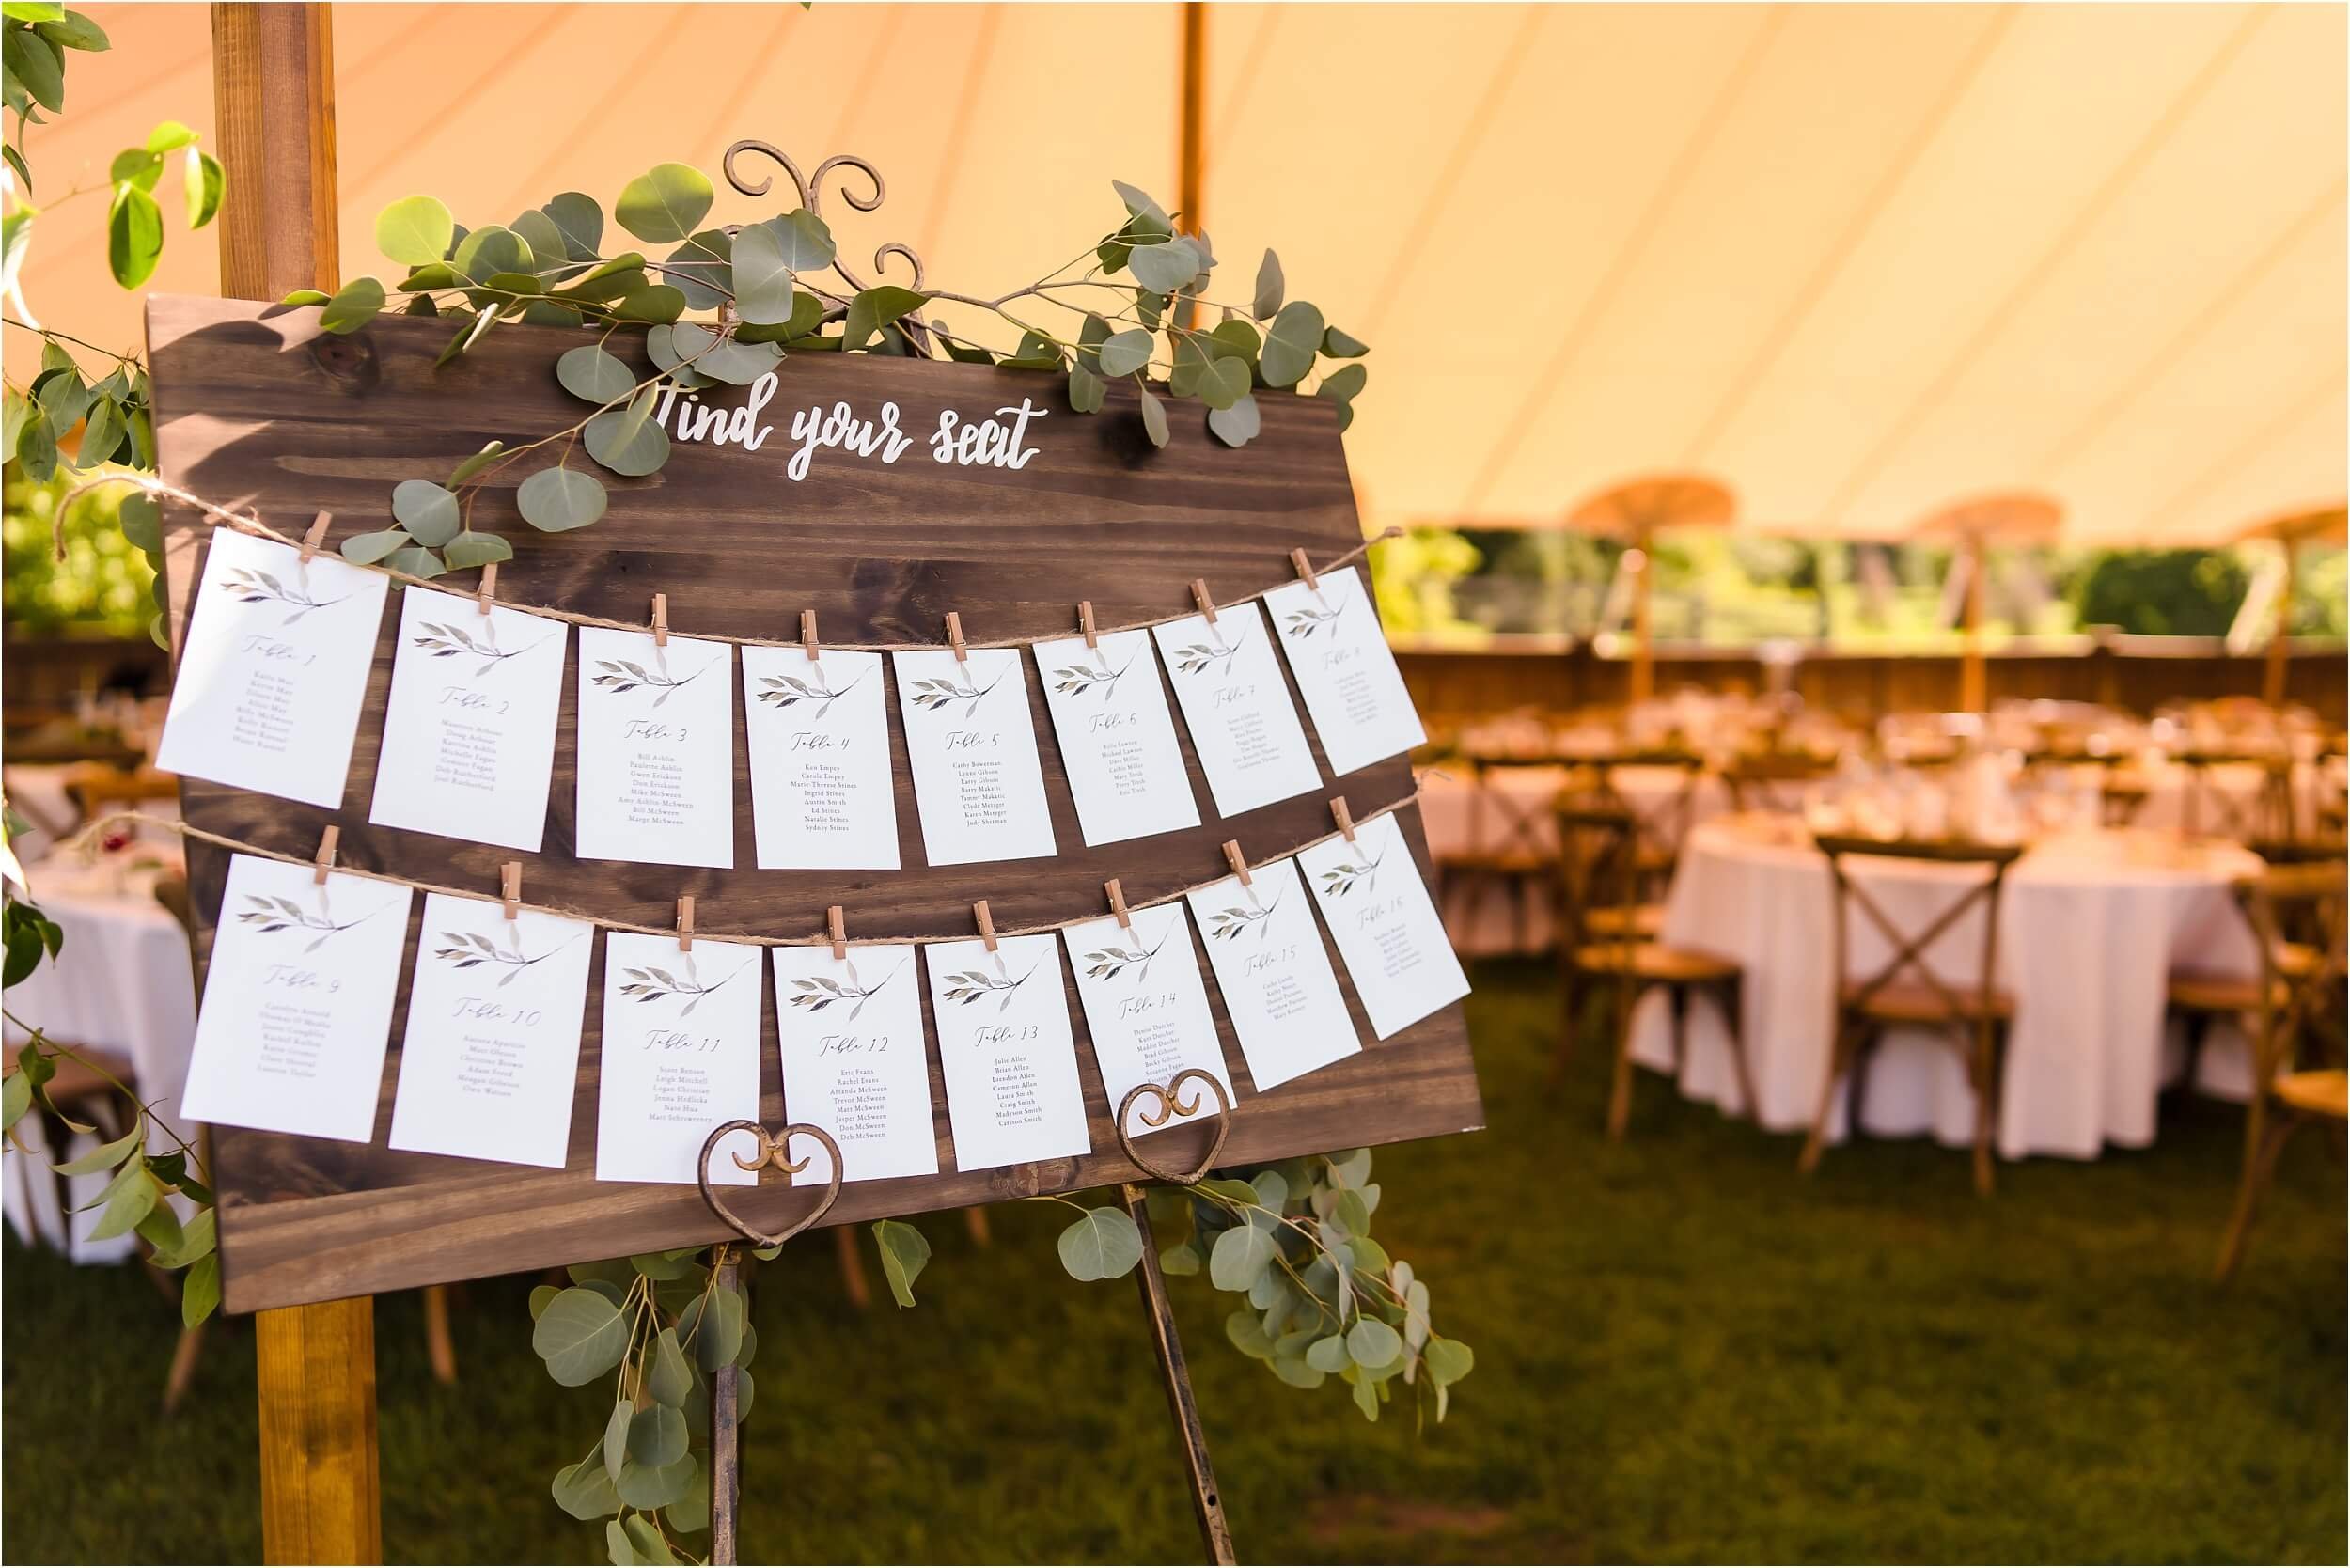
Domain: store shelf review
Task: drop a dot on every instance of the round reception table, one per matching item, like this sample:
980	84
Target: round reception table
2091	926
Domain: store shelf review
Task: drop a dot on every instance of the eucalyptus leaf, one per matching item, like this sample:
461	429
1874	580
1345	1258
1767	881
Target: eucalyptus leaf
657	302
1182	1259
475	547
429	511
718	1337
489	250
644	1536
1328	1353
1085	391
1240	1255
1125	353
670	1379
1269	287
626	440
1248	1336
1138	201
1297	1375
553	500
581	1336
1166	267
904	1251
584	1491
475	464
1448	1360
763	276
1103	1243
656	1436
652	1486
875	308
702	269
1223	384
1372	1343
580	222
367	549
540	1296
1290	343
619	1550
665	204
615	1437
1339	345
1342	385
415	231
1154	418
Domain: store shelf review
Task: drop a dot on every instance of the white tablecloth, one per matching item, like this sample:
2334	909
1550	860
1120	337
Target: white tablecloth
123	982
2091	926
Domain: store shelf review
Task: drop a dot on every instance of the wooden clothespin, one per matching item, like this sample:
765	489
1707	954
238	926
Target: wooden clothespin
685	923
661	621
839	934
807	634
510	888
1085	623
324	859
488	591
1305	570
1199	596
1346	818
954	638
1239	862
987	924
316	537
1117	903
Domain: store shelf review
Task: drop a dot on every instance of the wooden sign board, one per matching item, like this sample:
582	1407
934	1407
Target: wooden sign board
256	407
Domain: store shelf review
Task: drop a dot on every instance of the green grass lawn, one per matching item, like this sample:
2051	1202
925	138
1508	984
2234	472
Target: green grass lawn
1684	1351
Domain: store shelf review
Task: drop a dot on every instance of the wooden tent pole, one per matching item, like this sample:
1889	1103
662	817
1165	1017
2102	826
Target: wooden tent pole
274	102
1643	619
1191	130
2280	640
1974	679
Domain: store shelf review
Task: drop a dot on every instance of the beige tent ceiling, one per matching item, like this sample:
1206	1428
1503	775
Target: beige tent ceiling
1857	261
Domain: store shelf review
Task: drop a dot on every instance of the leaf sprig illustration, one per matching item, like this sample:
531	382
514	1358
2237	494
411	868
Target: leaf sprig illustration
1075	680
1114	958
966	986
447	641
623	675
782	691
650	983
816	993
472	949
1194	657
1226	923
252	586
1342	878
271	915
1306	620
930	693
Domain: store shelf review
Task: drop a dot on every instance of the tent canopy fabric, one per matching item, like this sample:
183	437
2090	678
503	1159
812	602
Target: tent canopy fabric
1855	261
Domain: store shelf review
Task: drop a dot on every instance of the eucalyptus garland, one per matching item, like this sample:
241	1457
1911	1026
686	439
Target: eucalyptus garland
1121	310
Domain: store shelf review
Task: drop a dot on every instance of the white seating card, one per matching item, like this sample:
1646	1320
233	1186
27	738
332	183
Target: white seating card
1384	924
1345	670
821	797
681	1055
1284	1002
1147	1007
1012	1094
469	735
977	783
274	671
854	1062
491	1053
656	749
1237	706
1117	737
298	1002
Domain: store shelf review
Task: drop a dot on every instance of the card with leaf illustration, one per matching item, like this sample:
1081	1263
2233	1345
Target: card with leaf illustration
681	1055
491	1057
297	1010
822	796
655	749
1236	704
1145	1005
469	730
1009	1057
1278	988
979	784
1386	926
854	1062
1345	670
272	670
1117	735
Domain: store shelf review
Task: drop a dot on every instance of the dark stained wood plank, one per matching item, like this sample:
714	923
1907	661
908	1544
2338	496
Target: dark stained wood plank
255	407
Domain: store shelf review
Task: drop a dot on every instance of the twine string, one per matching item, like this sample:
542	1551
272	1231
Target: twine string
91	832
215	515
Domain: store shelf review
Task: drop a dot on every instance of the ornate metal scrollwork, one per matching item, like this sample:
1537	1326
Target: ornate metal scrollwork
811	194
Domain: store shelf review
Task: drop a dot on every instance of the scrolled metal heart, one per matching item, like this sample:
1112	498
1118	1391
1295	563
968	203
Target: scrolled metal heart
1172	1103
773	1150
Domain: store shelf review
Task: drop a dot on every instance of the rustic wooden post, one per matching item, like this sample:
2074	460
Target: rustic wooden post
274	103
2280	640
1207	1506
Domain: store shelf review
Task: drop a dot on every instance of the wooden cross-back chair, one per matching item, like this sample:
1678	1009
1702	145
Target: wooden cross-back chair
1971	1013
2208	808
1598	855
2298	914
1510	850
1660	827
1775	781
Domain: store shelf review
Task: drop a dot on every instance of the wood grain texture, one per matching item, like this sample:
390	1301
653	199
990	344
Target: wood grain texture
315	1368
256	406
